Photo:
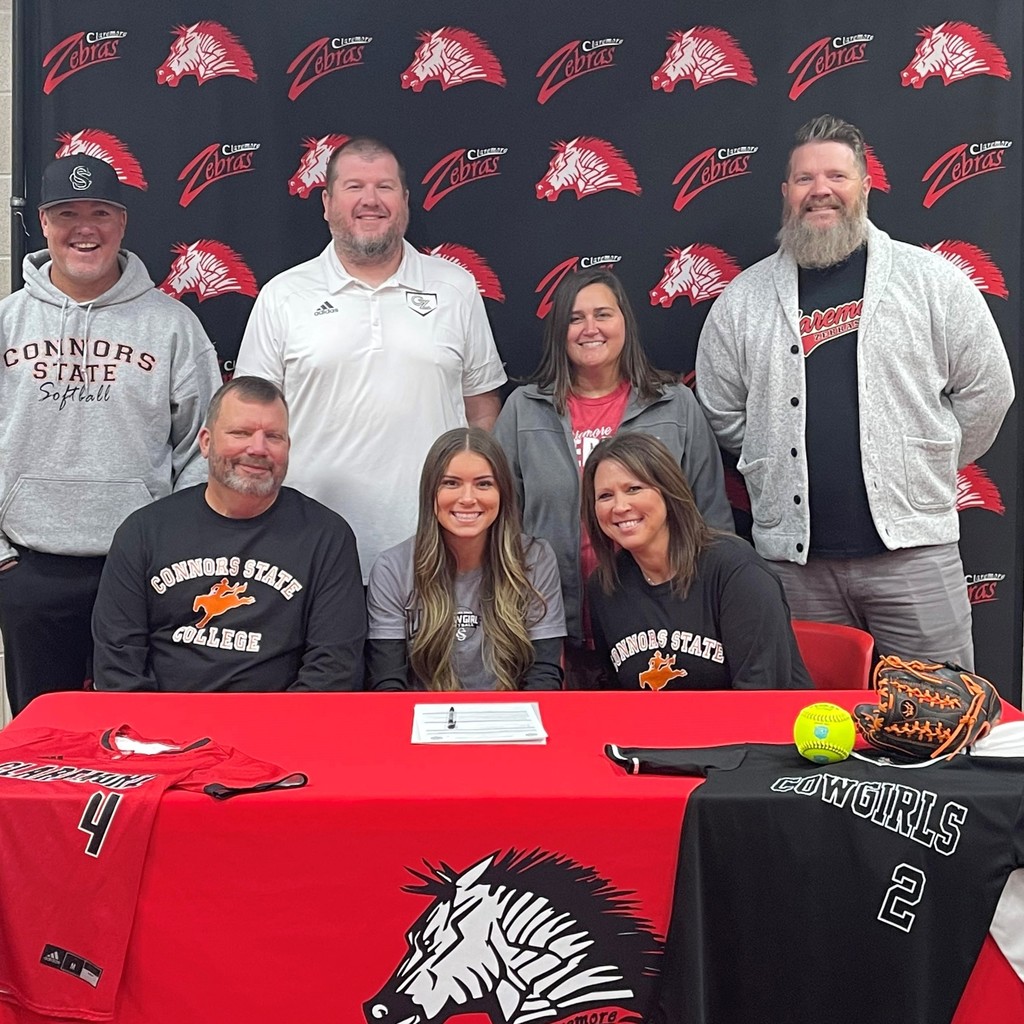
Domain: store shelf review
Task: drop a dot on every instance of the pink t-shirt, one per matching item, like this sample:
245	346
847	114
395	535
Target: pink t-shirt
592	420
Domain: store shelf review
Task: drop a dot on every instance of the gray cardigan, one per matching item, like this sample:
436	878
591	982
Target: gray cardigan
540	448
933	380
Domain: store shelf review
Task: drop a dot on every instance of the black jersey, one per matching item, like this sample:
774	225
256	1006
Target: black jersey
838	893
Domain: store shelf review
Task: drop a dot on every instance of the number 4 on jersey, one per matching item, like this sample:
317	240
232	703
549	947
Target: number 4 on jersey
96	819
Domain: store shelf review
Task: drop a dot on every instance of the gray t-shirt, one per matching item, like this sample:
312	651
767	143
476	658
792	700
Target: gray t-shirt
389	604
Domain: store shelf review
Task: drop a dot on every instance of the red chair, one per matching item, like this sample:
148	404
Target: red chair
837	657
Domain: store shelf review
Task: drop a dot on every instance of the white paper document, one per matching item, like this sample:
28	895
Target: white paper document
478	723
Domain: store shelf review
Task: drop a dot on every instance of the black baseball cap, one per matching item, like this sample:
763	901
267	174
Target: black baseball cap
80	177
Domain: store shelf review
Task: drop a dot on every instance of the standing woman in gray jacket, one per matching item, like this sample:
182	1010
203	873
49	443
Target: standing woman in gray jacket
593	381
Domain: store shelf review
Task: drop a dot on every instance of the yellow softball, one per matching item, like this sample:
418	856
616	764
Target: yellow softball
824	733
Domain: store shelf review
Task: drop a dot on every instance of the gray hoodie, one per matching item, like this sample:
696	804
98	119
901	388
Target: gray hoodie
100	407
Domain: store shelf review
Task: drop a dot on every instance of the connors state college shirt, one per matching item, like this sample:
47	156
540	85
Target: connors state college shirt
855	891
76	813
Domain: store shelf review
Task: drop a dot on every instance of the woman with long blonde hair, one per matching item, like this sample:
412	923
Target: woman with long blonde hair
468	603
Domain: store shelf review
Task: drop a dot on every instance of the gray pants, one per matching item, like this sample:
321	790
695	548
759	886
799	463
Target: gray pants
913	602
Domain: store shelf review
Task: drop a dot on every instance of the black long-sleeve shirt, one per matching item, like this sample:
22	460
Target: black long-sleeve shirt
192	600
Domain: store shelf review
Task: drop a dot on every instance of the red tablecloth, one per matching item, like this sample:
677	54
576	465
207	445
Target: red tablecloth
287	907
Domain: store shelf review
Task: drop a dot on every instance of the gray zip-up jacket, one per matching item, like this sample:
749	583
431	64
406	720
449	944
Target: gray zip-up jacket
100	407
934	385
540	448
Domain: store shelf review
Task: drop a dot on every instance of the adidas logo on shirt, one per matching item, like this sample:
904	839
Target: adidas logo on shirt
325	307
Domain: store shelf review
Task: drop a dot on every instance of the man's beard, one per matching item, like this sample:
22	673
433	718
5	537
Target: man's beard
817	247
372	249
224	472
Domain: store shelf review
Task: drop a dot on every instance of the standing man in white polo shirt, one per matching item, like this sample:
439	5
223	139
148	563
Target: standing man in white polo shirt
378	348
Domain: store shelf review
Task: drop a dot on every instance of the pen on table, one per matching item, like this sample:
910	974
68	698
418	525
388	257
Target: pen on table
451	718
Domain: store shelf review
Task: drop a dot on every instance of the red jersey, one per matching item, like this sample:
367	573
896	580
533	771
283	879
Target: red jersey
77	810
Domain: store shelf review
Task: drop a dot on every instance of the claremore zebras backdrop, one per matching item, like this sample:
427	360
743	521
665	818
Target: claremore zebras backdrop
544	137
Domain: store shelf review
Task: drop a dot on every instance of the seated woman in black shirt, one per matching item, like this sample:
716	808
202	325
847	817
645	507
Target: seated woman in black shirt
673	604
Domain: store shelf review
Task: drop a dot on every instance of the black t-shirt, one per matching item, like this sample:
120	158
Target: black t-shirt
830	308
843	892
731	631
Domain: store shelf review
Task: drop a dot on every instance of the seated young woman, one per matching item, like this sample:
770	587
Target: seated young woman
468	603
675	605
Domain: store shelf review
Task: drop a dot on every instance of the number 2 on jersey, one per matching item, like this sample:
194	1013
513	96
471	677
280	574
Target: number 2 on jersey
905	892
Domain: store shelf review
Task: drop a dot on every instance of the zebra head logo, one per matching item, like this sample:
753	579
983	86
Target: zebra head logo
702	55
103	146
975	489
204	50
207	268
527	938
953	51
470	260
977	264
586	165
312	170
699	272
452	56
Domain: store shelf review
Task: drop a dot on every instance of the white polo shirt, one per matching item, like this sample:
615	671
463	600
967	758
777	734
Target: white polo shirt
372	377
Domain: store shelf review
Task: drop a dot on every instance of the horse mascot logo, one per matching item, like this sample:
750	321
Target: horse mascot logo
527	938
975	263
104	146
204	50
208	268
472	262
975	489
954	51
312	170
699	272
702	55
586	165
451	56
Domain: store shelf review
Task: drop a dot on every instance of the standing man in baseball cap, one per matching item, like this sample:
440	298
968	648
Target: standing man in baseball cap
104	383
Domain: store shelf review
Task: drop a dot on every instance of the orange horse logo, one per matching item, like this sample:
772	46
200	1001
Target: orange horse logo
660	670
219	600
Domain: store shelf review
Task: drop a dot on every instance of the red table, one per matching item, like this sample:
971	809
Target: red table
283	907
